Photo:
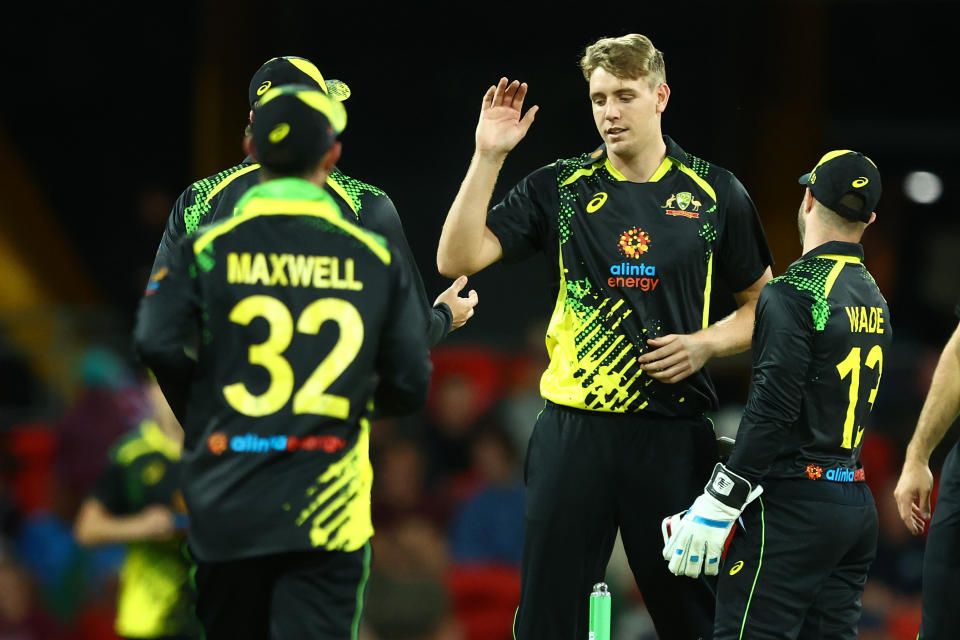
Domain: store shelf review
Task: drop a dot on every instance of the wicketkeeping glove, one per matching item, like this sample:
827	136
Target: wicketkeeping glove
694	539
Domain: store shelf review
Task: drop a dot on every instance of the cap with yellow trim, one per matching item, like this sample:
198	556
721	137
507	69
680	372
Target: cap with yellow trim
842	172
294	126
277	72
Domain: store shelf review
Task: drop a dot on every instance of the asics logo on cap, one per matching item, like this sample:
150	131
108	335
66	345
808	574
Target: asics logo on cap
262	89
279	132
860	182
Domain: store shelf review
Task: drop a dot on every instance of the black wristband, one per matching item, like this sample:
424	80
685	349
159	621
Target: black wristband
728	487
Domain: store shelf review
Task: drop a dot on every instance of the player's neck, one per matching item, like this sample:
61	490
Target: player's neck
641	166
817	235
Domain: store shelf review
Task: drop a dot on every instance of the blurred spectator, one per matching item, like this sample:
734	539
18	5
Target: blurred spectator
466	385
109	402
488	526
20	616
401	491
406	595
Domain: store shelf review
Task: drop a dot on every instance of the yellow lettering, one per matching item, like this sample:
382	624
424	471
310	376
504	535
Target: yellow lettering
259	273
876	320
301	270
238	267
349	276
862	326
321	271
279	275
852	314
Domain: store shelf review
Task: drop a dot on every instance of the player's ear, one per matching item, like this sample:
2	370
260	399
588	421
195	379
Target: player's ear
873	217
663	96
332	156
808	200
251	115
248	147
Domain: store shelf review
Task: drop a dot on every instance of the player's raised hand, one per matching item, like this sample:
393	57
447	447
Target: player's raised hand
913	495
501	126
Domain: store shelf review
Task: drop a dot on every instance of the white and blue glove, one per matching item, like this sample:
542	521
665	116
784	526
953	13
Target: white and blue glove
694	539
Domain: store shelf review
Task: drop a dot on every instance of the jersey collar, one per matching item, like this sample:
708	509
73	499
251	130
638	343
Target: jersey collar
674	153
285	189
836	248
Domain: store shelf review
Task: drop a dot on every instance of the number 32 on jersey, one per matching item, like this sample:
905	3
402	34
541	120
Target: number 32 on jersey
311	397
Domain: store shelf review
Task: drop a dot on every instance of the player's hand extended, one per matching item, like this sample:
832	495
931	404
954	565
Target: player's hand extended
913	495
694	539
461	307
500	127
674	357
157	522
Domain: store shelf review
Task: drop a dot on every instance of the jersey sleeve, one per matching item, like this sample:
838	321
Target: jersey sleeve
782	351
380	215
744	254
174	232
109	488
403	363
521	221
167	316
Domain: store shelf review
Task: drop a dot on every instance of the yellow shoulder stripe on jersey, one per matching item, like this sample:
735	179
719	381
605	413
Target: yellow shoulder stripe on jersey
703	184
579	173
278	207
837	268
343	194
151	439
233	176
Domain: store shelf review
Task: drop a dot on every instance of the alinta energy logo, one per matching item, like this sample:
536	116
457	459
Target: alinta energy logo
837	474
633	243
219	442
678	203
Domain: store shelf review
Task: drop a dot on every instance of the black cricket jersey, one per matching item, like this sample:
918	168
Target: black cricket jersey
154	597
215	198
305	321
635	261
820	335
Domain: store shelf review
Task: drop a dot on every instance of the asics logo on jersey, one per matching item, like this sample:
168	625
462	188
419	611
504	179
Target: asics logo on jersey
262	89
598	200
860	182
735	569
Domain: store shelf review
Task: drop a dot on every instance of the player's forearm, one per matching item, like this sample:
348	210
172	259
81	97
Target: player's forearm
97	526
461	240
732	334
941	406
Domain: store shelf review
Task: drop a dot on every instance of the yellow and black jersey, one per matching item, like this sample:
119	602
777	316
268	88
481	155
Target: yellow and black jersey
214	198
154	597
636	261
306	321
821	331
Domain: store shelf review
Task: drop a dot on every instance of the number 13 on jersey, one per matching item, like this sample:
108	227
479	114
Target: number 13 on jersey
850	366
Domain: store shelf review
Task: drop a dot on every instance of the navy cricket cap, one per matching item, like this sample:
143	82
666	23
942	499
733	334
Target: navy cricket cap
294	126
842	172
277	72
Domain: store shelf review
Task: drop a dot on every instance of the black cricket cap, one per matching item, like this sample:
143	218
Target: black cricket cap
839	173
283	70
294	126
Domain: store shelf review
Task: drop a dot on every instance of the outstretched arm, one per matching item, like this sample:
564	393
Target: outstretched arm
939	411
466	244
678	356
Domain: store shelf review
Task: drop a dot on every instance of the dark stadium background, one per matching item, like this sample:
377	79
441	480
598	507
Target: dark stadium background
110	110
